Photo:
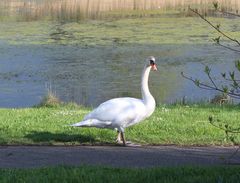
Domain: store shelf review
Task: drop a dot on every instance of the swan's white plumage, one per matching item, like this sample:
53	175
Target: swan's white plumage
120	113
117	113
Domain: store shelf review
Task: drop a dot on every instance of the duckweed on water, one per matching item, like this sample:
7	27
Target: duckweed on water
159	30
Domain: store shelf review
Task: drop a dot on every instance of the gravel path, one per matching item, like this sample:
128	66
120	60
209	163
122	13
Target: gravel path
117	156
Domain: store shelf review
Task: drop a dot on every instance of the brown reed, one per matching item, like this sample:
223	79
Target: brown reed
80	9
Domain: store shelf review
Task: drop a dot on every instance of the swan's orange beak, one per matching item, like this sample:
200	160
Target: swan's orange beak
154	67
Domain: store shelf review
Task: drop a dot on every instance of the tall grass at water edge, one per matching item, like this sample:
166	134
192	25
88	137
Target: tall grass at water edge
80	9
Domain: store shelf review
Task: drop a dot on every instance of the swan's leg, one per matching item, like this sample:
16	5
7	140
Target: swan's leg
123	138
119	140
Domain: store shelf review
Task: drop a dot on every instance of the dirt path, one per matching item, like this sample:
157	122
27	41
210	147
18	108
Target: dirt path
149	156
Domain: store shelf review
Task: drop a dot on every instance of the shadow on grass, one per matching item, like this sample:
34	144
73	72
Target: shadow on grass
39	137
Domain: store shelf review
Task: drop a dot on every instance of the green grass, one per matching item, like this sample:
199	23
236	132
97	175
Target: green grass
104	174
181	125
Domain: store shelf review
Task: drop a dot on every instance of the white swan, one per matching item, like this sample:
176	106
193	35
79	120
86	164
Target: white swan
119	113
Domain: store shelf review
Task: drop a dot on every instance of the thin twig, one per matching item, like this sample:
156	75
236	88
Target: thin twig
228	13
214	84
201	85
228	79
234	153
228	47
229	131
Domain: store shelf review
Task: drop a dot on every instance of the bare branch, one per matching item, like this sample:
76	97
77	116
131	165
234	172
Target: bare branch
228	79
234	153
210	77
228	13
200	85
226	127
228	47
227	130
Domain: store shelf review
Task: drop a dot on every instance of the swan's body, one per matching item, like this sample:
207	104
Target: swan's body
119	113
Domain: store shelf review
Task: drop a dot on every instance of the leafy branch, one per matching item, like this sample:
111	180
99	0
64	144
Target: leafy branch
234	92
229	131
230	78
217	28
216	7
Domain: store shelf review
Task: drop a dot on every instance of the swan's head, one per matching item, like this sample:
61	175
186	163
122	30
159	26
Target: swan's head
151	63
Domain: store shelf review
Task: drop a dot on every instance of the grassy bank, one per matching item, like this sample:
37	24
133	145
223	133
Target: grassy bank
181	125
101	174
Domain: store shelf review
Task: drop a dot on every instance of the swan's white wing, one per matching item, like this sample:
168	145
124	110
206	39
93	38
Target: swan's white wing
118	110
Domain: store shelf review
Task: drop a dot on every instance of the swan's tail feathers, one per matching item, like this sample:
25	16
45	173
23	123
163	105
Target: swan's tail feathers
82	124
92	123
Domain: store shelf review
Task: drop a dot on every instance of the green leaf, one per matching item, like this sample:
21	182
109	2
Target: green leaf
210	118
197	82
225	89
207	70
232	139
217	40
237	65
215	5
226	126
232	75
223	75
235	84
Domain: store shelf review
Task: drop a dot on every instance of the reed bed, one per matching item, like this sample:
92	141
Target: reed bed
80	9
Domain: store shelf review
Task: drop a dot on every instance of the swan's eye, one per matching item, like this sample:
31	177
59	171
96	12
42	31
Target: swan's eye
152	62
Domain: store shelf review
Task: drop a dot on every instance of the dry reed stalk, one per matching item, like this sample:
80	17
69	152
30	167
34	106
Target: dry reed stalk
76	9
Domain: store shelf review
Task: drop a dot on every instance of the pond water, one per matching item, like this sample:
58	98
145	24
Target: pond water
93	61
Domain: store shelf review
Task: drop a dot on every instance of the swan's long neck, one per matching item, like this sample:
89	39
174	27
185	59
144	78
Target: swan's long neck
146	95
